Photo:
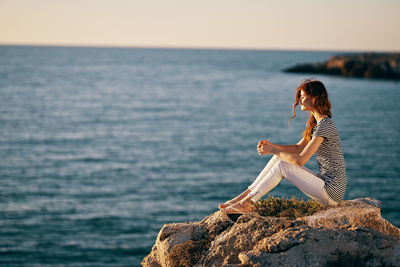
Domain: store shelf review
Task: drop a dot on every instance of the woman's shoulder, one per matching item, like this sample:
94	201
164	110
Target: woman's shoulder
325	127
325	121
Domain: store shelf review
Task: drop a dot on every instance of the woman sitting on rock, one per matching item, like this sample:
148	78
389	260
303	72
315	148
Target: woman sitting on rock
320	137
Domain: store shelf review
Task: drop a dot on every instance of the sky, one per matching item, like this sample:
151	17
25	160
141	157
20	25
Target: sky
339	25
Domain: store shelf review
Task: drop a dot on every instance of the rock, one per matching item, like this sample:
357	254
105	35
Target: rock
351	234
366	65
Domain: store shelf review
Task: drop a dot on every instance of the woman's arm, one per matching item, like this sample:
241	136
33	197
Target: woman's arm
297	148
295	158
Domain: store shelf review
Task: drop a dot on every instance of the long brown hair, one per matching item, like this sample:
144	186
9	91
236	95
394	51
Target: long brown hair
317	92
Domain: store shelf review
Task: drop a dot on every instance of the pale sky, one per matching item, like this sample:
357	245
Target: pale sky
359	25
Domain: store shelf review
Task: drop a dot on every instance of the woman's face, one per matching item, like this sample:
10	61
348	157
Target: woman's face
305	101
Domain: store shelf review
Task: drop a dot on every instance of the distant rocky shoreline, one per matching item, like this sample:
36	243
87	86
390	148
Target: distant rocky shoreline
351	234
362	65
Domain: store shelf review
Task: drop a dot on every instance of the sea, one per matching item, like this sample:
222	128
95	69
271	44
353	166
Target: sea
100	147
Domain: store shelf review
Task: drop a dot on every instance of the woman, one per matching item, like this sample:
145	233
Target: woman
320	137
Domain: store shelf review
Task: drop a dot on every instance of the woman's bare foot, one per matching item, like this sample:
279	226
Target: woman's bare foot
226	204
244	206
234	200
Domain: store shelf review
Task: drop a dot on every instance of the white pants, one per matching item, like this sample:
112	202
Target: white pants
303	178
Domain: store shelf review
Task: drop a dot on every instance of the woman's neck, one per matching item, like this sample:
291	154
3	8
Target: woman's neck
318	117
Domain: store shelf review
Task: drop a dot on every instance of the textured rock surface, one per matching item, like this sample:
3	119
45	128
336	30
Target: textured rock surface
351	234
366	65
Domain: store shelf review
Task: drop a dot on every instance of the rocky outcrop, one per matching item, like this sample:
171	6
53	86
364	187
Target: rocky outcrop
351	234
366	65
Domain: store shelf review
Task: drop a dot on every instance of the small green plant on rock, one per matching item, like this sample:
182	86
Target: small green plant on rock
285	207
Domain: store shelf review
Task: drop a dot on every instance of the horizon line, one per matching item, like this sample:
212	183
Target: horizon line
194	47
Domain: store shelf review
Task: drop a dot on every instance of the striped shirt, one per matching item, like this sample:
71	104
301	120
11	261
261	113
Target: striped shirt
329	155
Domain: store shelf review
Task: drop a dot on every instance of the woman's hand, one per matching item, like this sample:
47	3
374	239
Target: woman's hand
264	147
262	142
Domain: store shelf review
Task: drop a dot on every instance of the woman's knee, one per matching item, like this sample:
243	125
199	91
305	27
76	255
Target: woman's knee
275	157
284	165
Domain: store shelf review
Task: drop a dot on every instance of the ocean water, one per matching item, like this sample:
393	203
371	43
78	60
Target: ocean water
100	147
